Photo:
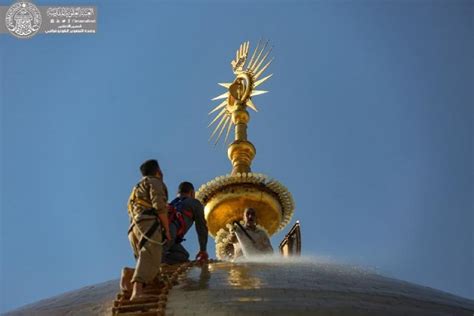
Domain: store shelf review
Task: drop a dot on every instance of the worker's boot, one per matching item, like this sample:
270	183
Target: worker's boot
137	291
126	282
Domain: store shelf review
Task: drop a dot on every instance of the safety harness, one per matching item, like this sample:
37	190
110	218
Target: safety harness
135	202
176	214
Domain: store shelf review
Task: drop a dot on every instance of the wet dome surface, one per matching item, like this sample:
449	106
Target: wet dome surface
304	288
275	287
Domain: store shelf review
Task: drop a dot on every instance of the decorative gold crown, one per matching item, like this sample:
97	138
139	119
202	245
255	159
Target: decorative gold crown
240	92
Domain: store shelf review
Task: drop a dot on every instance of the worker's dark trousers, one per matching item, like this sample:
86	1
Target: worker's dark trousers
174	252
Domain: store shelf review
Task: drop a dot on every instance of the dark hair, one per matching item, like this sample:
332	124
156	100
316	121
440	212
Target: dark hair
149	167
249	209
185	187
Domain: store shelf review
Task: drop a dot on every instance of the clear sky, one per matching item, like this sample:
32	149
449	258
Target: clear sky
368	122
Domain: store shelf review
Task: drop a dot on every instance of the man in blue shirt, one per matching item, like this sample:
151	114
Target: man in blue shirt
183	211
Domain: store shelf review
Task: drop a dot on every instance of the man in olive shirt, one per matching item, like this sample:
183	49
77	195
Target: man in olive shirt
183	212
148	214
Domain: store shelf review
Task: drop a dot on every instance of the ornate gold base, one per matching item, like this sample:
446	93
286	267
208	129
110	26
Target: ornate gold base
229	204
225	199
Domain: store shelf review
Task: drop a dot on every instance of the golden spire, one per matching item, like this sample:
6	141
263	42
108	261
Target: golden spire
226	197
233	110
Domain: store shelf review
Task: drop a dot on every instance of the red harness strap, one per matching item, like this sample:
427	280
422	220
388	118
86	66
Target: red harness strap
177	217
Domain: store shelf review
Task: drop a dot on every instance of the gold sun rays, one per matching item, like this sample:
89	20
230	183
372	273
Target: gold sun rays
249	71
224	123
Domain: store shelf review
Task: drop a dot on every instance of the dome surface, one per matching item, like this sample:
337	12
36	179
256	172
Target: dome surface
283	287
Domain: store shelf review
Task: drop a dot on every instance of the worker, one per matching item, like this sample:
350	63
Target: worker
147	208
183	211
250	239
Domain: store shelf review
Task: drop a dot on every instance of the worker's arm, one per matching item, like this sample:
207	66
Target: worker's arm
232	235
201	225
158	198
164	222
233	238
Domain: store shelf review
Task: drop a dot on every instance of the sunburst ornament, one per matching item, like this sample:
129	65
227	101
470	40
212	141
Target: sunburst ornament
248	76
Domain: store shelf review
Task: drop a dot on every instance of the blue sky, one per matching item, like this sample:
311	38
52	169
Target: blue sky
368	122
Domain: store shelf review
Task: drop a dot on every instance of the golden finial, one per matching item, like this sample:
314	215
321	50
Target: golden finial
233	110
226	197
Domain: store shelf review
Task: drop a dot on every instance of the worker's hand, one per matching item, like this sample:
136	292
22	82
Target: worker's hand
232	238
202	256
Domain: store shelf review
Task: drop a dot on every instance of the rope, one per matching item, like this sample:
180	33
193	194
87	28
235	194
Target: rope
134	222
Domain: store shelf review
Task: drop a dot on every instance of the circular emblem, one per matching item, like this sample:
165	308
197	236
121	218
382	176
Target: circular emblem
23	19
